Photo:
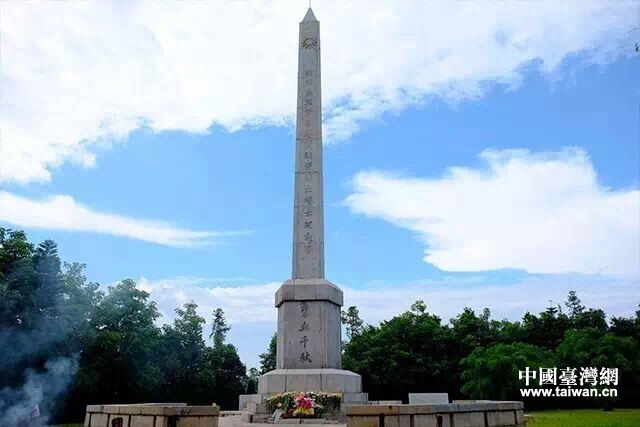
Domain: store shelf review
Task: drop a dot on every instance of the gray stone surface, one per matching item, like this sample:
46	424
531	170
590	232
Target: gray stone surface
309	290
308	335
243	399
329	380
421	398
309	345
501	418
308	227
238	421
150	414
309	328
470	414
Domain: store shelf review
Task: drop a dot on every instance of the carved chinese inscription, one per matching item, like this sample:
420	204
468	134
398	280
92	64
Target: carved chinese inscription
305	357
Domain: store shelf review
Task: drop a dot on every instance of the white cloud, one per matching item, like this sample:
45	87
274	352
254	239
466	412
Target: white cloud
64	213
251	313
545	213
79	74
242	304
247	304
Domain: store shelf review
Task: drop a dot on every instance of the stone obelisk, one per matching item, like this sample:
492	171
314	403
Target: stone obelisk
309	330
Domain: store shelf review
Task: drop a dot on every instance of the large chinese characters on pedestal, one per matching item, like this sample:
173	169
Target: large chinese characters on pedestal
309	329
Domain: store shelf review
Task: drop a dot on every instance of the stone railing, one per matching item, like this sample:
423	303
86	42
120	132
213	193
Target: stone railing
468	414
151	415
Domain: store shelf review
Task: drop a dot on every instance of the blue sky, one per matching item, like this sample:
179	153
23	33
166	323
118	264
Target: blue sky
503	185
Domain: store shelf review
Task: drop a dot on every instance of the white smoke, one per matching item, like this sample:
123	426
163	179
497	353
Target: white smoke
41	389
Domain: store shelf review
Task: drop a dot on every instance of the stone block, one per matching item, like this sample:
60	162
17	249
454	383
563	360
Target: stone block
328	380
288	421
306	382
314	421
355	397
99	420
272	382
125	420
243	399
257	408
142	421
422	398
432	420
468	419
500	418
397	421
363	421
196	422
340	381
373	410
472	414
508	405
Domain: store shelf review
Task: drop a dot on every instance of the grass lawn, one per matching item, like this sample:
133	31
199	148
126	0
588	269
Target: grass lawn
585	418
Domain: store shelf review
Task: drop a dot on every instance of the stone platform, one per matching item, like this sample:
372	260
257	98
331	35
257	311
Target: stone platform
151	414
470	414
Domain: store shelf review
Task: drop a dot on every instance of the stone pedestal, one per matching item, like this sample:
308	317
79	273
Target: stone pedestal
308	324
309	349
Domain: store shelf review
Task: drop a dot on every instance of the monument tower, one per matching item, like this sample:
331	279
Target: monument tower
309	329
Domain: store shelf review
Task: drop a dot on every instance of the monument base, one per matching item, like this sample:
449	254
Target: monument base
328	380
321	379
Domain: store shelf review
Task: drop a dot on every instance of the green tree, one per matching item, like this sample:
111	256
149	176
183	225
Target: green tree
18	281
592	318
114	366
219	328
227	374
268	358
252	381
627	326
49	278
351	319
589	348
492	372
405	354
547	329
182	356
471	331
573	303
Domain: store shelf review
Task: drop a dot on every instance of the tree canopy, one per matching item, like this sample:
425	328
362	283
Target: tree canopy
74	345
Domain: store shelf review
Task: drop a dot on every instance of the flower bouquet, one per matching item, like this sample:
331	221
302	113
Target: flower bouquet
303	404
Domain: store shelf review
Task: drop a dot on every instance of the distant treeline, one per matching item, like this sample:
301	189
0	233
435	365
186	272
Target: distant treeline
65	344
475	357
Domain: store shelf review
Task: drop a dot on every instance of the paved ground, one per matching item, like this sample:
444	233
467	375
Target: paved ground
235	421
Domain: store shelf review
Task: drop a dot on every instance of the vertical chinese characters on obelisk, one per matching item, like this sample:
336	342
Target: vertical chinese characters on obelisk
308	227
308	355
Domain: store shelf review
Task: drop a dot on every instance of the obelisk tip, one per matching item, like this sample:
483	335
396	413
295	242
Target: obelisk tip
309	16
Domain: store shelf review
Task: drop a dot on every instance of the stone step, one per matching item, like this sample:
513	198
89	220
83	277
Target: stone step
257	408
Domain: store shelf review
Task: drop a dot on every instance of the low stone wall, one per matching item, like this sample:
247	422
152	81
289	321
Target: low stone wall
471	414
151	415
